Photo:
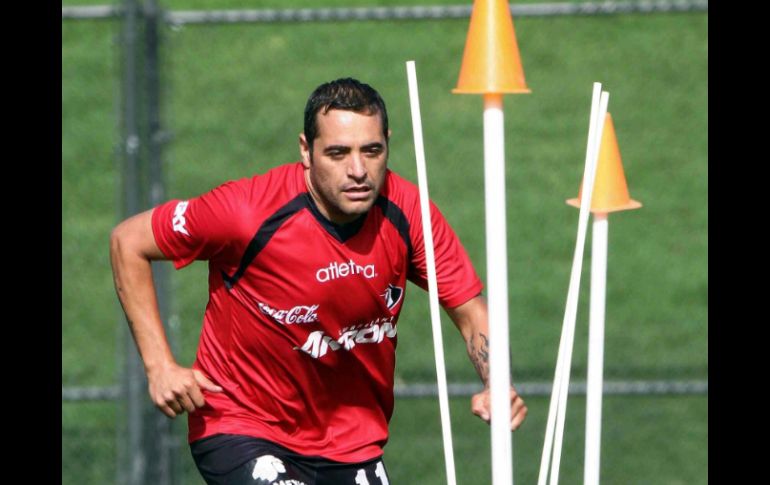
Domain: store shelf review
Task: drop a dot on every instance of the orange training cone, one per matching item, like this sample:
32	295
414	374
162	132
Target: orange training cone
610	189
491	62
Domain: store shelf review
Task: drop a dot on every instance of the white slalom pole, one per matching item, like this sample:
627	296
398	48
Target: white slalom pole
585	206
595	380
565	338
427	230
497	290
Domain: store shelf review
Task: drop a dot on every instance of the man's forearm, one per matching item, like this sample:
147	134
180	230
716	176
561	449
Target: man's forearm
145	324
478	351
132	275
172	388
471	318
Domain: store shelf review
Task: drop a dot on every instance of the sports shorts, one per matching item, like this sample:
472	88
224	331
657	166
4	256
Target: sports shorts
228	459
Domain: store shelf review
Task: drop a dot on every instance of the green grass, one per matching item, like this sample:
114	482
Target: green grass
644	440
233	99
279	4
89	442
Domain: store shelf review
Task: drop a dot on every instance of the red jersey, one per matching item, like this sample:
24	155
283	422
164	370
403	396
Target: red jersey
300	327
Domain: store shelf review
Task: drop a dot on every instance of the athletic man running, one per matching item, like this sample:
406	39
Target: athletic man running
308	264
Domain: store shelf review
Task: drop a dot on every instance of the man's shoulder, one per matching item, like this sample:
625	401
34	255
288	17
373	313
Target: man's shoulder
288	173
284	178
400	190
257	195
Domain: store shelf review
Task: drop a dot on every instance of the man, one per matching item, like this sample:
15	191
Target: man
308	263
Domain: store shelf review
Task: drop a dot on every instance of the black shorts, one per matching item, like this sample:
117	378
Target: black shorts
227	459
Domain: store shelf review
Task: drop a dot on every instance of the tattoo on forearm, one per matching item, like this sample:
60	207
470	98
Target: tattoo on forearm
478	350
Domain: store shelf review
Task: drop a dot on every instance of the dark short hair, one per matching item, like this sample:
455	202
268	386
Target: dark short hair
346	94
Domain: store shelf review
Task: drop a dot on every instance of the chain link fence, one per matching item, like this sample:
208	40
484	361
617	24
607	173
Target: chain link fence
392	13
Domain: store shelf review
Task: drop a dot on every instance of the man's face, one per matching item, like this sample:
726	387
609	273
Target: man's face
347	167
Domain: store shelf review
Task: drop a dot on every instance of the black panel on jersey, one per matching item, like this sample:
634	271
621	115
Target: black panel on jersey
263	235
341	232
396	216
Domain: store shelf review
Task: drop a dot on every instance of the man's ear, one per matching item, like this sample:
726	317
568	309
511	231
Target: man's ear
304	150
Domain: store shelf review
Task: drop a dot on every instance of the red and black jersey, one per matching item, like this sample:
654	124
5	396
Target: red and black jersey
300	327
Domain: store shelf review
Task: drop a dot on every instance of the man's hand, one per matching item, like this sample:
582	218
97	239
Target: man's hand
481	408
472	319
175	389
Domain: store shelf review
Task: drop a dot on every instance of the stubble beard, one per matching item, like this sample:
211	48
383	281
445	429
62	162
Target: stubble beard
334	204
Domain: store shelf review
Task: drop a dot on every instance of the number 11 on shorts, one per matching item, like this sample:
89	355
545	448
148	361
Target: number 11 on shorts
379	472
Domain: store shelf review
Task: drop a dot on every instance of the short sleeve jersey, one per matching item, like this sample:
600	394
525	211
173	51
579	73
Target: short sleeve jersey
300	329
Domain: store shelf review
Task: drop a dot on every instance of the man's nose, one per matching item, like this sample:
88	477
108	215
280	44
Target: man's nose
357	167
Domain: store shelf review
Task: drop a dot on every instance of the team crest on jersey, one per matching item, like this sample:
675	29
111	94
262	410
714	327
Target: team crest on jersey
392	296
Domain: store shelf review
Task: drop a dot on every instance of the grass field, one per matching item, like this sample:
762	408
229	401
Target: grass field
233	100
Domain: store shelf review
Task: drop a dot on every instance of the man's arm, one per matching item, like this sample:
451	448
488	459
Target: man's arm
472	320
173	389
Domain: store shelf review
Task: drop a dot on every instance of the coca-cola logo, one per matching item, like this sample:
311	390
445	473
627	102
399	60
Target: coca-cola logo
297	314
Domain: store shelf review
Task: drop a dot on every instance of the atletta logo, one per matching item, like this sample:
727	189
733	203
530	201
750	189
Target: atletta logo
341	270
